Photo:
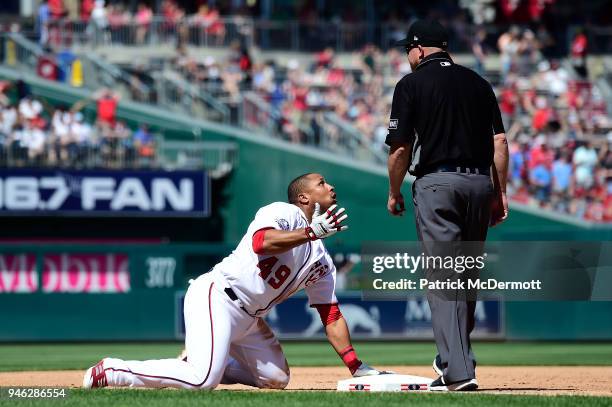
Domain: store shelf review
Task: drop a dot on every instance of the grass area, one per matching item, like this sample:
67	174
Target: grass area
145	398
81	356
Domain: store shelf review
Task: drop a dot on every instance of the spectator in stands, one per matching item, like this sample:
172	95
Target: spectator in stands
562	180
124	144
83	136
144	143
479	50
541	154
8	119
325	58
585	159
57	9
17	149
546	41
541	179
67	140
246	66
552	78
107	102
508	45
528	53
33	139
118	20
98	26
579	49
542	114
29	108
210	21
518	164
87	7
143	19
61	136
42	22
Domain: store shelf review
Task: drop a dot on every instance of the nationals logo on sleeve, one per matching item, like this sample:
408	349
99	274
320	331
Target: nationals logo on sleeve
282	223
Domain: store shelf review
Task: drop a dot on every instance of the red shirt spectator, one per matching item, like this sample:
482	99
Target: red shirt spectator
335	76
57	9
541	155
107	107
541	117
579	46
86	8
325	57
299	95
508	101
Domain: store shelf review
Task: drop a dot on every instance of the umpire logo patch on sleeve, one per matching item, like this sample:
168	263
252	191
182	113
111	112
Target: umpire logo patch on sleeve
393	124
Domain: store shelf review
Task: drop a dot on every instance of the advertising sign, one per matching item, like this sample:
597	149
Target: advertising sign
102	192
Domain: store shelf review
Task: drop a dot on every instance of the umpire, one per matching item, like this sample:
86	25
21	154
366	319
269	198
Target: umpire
446	130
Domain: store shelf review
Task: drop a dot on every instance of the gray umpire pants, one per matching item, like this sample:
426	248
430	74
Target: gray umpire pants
452	207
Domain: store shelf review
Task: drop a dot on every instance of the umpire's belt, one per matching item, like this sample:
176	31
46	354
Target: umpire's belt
456	168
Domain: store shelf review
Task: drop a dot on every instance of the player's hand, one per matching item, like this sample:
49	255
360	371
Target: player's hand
395	205
326	224
365	370
499	209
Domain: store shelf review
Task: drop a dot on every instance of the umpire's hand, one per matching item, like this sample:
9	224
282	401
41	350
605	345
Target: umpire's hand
499	208
395	204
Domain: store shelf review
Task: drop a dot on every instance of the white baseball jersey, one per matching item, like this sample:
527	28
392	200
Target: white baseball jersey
261	281
222	342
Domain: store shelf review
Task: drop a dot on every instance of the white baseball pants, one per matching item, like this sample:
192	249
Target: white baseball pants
223	343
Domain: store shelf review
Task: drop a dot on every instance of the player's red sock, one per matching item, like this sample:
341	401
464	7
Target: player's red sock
350	359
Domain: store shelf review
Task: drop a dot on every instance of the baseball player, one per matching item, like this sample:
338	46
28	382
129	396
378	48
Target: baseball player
226	338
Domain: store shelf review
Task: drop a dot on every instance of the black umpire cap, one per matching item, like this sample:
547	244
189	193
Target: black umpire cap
425	33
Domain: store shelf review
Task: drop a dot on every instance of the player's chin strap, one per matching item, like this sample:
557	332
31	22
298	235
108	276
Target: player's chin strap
326	224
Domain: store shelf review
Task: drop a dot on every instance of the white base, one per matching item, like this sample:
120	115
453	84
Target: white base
386	382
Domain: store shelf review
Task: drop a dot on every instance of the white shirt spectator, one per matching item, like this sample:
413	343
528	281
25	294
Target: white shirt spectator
33	139
82	132
8	120
556	81
30	108
585	160
98	14
61	124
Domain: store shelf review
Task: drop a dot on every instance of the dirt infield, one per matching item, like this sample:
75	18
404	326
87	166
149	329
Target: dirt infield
544	380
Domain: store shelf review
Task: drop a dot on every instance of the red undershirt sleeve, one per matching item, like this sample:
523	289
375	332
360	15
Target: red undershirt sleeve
328	313
258	240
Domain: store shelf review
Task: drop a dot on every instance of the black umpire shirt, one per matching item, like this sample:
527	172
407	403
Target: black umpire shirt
447	112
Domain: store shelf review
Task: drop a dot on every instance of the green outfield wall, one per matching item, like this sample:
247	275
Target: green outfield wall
265	166
68	292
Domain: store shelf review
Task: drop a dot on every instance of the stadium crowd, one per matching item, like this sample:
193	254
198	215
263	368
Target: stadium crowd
33	133
560	135
559	131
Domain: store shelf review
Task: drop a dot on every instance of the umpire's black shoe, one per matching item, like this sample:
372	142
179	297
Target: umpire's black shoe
463	385
438	366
